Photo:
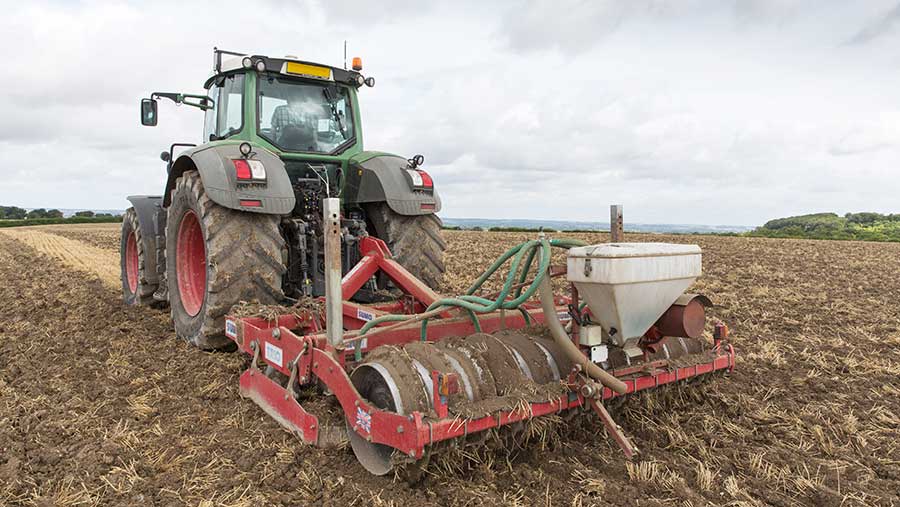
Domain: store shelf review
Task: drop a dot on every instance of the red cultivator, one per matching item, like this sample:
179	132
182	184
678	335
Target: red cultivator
404	386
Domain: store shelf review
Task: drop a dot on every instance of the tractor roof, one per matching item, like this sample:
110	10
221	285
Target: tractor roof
227	61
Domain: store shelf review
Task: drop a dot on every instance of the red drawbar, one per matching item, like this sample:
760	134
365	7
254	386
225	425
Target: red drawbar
190	263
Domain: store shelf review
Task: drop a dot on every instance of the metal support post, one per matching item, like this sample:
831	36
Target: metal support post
616	228
334	321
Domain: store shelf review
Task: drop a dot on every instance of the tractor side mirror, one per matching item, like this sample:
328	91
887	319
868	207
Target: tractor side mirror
164	156
148	112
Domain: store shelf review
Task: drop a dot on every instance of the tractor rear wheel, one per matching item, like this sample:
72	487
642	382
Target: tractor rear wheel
215	258
136	289
415	241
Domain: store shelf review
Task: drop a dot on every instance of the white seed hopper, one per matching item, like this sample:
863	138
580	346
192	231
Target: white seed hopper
628	286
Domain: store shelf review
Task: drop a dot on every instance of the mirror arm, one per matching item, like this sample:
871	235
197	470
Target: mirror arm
201	102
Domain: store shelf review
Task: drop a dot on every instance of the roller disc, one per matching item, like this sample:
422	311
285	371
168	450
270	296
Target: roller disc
375	384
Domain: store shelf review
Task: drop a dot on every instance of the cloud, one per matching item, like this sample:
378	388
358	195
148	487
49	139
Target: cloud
881	26
691	112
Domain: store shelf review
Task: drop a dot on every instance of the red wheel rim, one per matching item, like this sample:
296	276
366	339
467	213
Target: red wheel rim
190	268
131	262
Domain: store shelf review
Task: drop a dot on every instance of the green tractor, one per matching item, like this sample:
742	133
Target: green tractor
240	218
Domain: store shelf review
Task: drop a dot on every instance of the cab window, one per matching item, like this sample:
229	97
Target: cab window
306	116
226	118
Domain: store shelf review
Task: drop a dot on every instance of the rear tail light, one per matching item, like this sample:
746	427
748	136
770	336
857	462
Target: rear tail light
242	169
420	179
249	170
426	179
251	203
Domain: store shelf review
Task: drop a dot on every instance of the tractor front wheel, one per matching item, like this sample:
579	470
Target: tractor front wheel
215	258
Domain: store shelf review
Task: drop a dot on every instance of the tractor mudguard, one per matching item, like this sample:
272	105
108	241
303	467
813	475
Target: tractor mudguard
214	163
381	177
147	208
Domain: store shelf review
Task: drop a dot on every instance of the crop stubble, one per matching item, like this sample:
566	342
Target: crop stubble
99	404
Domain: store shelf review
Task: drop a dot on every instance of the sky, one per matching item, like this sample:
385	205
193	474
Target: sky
692	111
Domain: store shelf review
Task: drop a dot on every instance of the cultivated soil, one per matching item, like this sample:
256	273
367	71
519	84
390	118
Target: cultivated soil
100	404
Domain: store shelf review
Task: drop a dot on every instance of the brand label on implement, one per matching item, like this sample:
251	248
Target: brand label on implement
364	315
564	316
230	329
274	355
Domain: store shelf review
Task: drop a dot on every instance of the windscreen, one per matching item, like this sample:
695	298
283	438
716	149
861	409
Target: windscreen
304	116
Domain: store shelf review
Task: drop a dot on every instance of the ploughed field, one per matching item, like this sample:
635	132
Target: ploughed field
101	405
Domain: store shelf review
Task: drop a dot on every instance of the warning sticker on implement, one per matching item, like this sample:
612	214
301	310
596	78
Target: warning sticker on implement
273	355
230	329
364	315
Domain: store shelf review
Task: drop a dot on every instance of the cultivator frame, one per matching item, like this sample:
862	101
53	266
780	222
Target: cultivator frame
297	346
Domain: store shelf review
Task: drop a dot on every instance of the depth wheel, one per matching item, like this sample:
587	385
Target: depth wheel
215	258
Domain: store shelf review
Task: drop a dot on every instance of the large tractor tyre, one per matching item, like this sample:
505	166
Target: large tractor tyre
136	290
415	241
215	258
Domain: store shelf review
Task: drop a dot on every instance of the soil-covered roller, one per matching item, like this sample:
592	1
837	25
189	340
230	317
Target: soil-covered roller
496	372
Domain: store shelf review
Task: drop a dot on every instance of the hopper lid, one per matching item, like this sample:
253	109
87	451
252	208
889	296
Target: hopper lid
626	250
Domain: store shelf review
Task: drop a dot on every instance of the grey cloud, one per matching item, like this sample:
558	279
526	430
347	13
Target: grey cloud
361	15
879	27
570	25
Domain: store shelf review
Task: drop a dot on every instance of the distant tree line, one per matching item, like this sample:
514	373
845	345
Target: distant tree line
864	226
17	213
89	214
13	216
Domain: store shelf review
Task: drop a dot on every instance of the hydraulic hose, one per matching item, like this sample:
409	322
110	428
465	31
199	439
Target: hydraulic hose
551	320
518	270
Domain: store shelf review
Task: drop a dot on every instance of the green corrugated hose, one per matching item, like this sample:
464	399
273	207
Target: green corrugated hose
475	304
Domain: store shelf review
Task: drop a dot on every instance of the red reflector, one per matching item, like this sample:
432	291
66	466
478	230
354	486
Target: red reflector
251	204
242	170
426	206
426	179
449	384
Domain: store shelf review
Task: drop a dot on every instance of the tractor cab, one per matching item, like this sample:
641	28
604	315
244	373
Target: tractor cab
296	109
279	137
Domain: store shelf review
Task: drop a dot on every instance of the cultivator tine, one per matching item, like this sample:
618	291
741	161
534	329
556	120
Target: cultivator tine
614	430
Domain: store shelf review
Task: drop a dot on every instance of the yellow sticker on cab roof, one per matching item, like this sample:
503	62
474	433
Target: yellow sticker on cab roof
304	69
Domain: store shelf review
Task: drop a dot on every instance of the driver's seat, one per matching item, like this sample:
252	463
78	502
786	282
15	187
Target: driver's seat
297	137
291	131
